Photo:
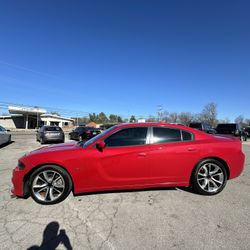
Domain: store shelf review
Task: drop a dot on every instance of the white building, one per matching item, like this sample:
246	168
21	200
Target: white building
32	117
55	120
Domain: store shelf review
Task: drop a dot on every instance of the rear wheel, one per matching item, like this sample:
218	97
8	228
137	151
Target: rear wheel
50	184
209	177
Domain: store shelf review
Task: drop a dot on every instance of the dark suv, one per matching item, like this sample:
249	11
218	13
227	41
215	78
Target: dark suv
203	127
50	134
231	129
83	133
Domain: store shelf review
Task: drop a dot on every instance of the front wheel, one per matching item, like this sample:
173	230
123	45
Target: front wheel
209	177
50	185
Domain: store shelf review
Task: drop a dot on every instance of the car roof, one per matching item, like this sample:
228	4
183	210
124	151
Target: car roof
153	124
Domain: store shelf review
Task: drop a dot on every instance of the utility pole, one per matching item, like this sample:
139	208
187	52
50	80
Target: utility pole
159	112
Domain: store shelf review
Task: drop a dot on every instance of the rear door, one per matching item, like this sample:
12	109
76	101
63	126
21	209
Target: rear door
173	155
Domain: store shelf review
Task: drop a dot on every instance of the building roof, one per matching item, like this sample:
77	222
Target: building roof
26	110
56	116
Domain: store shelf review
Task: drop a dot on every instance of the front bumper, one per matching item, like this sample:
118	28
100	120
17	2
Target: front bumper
18	182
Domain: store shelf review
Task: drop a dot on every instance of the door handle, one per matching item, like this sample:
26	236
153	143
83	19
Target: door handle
192	149
142	154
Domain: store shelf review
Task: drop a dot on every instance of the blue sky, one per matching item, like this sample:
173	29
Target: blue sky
126	57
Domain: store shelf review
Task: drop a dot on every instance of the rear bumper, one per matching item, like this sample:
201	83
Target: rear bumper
48	138
17	182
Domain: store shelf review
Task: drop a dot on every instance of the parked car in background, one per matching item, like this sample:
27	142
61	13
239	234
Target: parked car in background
232	129
130	156
83	133
5	136
50	134
202	126
107	126
247	130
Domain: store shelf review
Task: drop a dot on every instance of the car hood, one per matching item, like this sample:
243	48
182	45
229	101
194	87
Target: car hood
54	148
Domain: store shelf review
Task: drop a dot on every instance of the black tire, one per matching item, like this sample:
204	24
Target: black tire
42	141
9	140
207	183
65	179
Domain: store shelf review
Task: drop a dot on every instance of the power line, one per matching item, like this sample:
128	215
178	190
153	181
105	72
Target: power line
67	112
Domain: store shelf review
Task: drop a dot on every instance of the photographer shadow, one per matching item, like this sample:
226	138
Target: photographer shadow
52	238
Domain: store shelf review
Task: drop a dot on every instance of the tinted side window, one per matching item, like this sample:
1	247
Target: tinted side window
161	135
186	136
128	137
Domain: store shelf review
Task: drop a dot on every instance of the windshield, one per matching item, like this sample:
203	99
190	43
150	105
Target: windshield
95	138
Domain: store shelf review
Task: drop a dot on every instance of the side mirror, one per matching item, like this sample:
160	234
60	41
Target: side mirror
8	130
100	146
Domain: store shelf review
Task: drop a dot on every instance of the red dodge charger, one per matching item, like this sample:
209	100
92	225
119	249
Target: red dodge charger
130	156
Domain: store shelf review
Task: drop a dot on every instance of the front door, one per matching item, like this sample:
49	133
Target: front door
124	161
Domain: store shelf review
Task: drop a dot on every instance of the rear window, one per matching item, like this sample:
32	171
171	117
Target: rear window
186	136
52	129
162	135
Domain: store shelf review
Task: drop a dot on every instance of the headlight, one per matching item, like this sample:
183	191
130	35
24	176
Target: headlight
20	165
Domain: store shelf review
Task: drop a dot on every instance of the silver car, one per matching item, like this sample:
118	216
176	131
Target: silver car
50	134
5	136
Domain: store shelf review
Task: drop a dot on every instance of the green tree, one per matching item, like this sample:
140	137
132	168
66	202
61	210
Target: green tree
119	119
113	118
102	118
93	117
132	119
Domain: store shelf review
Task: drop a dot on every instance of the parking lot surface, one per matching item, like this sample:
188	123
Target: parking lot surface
151	219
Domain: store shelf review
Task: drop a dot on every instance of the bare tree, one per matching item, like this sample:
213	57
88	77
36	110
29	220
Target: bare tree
164	116
225	120
209	114
185	118
247	121
239	119
173	117
151	118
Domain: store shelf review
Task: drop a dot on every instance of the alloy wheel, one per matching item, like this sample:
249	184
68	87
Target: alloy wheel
210	177
48	186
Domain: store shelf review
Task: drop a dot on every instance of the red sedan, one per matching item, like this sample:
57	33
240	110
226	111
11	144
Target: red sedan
130	156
